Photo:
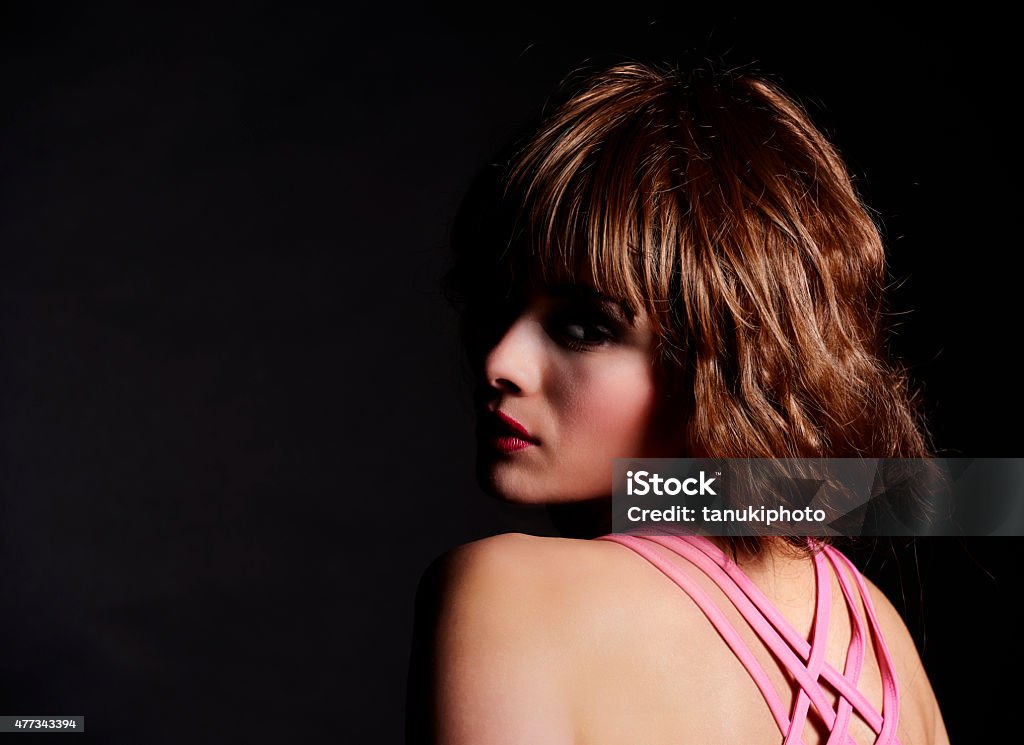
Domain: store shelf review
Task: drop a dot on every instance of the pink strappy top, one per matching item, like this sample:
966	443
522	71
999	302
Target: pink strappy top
804	660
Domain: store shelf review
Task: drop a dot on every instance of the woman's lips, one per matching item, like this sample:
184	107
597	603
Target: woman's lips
510	444
507	435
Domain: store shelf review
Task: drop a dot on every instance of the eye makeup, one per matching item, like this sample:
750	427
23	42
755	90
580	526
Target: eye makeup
588	297
583	319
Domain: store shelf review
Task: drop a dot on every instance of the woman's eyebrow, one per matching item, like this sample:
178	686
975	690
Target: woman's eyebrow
580	292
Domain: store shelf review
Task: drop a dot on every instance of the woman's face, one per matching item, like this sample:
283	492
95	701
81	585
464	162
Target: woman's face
579	377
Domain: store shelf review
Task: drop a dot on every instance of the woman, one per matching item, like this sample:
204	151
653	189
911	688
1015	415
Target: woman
670	265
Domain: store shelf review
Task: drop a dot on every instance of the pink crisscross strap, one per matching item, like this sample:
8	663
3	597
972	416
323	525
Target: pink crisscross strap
803	659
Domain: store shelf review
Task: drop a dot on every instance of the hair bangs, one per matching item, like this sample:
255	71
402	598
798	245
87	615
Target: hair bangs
598	208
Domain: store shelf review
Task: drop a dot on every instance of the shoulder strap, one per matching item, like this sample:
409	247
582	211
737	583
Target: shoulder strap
804	660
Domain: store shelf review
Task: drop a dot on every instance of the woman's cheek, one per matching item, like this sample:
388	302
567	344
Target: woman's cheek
620	414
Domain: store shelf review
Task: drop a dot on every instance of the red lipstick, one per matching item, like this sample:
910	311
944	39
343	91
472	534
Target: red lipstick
508	435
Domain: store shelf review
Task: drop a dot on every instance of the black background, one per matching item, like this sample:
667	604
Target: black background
234	431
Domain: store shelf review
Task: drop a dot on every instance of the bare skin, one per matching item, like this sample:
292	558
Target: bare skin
558	641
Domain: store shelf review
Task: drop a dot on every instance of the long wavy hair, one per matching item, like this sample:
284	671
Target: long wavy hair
710	200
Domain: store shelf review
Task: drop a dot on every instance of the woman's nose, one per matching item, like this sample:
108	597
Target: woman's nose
513	365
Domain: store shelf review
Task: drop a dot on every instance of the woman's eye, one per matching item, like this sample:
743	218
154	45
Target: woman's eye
585	332
580	333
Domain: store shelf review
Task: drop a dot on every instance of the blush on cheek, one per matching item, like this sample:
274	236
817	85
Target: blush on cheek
617	423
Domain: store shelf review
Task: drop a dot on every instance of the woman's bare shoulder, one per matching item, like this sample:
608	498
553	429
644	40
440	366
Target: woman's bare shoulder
578	597
539	577
500	619
541	564
521	550
917	697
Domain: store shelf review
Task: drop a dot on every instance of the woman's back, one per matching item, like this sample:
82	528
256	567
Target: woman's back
550	640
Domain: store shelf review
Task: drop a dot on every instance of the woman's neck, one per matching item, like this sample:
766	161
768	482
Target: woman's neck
585	519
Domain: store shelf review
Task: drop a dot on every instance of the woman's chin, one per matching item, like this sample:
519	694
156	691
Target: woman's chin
501	487
512	488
